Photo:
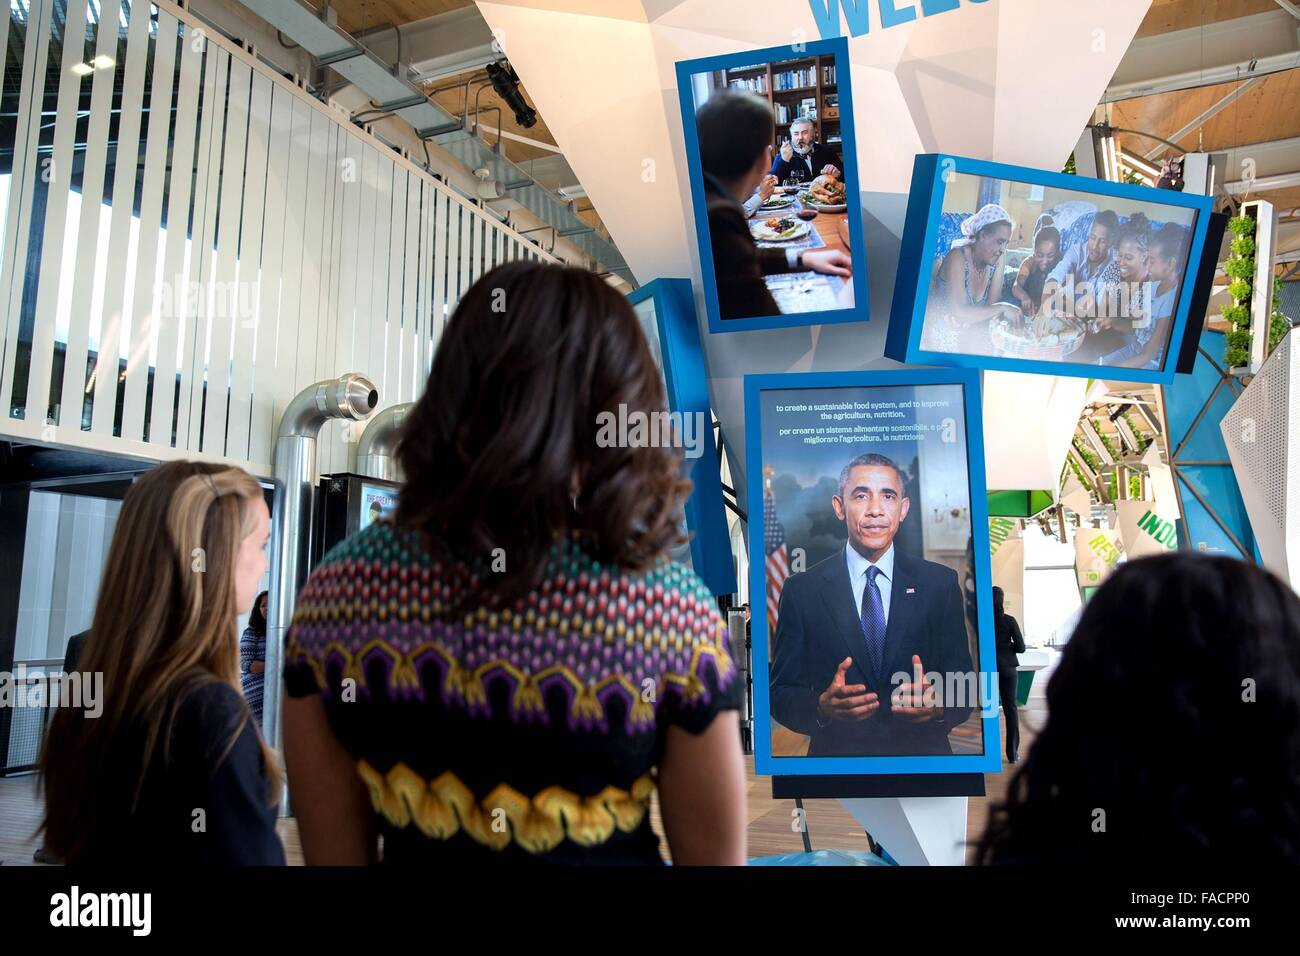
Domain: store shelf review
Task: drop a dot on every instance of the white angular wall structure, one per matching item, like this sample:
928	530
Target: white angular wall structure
1266	465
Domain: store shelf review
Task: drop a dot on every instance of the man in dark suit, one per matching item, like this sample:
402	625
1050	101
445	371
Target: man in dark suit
871	649
803	159
73	653
735	135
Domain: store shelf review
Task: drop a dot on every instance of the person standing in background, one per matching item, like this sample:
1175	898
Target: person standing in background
1010	642
175	735
252	657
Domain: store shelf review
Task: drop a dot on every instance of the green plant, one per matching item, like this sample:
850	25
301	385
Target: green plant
1087	455
1235	314
1144	440
1236	358
1135	486
1240	268
1241	226
1069	166
1078	472
1106	442
1279	325
1239	339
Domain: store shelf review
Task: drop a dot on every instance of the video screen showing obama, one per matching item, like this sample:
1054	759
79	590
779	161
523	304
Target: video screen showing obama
872	643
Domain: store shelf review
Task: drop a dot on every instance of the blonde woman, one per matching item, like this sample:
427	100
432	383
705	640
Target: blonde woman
173	770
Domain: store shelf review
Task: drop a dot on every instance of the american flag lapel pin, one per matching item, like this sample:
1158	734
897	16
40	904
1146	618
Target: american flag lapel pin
911	590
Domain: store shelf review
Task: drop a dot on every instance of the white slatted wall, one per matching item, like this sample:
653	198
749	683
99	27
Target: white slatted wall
296	248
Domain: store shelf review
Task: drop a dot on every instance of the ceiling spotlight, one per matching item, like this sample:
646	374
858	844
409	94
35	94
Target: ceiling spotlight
83	69
102	62
506	82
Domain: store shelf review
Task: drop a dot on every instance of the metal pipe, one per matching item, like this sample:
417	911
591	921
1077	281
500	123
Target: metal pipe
496	147
351	396
376	452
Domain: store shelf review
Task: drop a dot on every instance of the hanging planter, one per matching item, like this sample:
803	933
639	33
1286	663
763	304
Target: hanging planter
1279	325
1240	269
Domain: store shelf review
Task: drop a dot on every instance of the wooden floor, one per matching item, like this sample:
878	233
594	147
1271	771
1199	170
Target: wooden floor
770	832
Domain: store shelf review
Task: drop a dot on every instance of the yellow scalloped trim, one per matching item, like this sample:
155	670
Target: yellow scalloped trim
471	685
444	806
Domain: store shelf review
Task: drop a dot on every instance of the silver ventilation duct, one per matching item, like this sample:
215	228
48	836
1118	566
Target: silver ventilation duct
378	445
351	396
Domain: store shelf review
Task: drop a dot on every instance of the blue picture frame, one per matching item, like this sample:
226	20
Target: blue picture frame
687	385
839	48
930	175
764	762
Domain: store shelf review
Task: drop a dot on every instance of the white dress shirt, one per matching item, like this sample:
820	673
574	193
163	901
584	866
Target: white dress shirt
858	576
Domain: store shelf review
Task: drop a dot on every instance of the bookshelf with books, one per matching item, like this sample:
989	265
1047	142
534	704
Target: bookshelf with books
805	85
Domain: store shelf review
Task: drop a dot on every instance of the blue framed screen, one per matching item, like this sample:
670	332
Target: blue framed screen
666	309
825	453
750	283
1024	270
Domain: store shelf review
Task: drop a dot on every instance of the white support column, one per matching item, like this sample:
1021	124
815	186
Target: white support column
915	831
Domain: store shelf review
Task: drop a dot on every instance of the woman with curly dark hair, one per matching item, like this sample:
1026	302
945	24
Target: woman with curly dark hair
1173	730
508	668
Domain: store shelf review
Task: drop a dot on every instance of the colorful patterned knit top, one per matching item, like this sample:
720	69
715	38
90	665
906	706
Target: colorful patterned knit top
528	732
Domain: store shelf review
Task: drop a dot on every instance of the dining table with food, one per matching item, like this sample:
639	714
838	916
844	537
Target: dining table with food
805	216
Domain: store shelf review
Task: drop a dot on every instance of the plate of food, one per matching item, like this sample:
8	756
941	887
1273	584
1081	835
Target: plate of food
776	202
779	229
825	194
1045	338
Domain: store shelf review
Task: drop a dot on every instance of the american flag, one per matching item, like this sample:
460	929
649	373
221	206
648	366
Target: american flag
778	557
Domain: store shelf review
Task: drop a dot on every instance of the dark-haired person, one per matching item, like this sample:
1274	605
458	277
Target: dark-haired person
252	657
1124	297
1080	269
1165	254
71	656
508	668
173	772
1028	288
1171	726
802	158
968	285
859	634
735	132
1009	642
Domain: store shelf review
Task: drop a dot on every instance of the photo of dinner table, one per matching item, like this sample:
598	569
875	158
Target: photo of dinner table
806	291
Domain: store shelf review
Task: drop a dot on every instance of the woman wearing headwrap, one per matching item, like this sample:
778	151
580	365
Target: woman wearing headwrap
969	283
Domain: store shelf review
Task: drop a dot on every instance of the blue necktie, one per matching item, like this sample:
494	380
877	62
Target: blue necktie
873	619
